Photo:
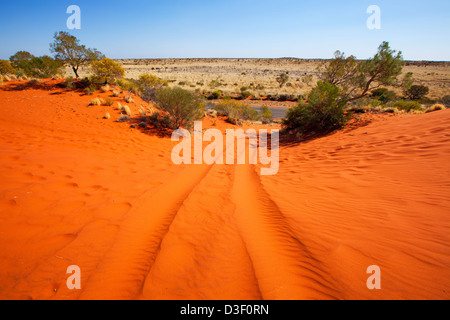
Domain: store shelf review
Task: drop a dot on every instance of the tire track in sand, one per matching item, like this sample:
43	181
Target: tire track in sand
203	255
284	268
122	272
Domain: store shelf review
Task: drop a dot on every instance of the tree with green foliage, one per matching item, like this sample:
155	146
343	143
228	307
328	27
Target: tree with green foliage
183	106
67	48
6	68
107	69
407	82
44	67
37	67
21	61
356	79
344	79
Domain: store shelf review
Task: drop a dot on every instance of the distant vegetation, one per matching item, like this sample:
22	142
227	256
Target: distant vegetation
348	85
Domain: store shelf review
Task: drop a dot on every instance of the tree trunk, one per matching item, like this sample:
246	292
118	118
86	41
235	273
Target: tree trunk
75	70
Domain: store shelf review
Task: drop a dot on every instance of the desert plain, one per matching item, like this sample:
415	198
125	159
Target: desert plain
79	189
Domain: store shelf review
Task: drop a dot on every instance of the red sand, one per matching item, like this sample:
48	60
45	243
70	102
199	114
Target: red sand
76	189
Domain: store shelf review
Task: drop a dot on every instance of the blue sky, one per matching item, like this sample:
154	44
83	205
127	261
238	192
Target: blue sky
231	29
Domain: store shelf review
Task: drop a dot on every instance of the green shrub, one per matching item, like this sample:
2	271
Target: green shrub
446	101
183	106
266	114
245	94
322	113
236	111
417	92
215	84
384	95
107	69
408	106
282	79
90	90
127	85
69	83
216	95
6	68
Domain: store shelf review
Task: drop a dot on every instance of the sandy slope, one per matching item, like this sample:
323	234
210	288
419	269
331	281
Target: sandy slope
77	189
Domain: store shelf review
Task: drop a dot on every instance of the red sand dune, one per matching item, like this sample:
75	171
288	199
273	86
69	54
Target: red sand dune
76	189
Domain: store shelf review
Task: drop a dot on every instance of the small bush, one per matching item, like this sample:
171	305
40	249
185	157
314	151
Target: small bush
245	94
90	90
322	113
105	88
417	92
282	79
384	95
408	106
127	85
216	95
6	68
266	115
215	84
107	69
68	83
236	111
182	106
446	101
107	116
149	80
436	107
116	93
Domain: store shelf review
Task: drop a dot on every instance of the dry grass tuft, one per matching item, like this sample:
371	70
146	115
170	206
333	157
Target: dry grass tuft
105	88
127	110
107	116
109	102
123	118
435	107
6	78
129	99
142	111
116	93
96	102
